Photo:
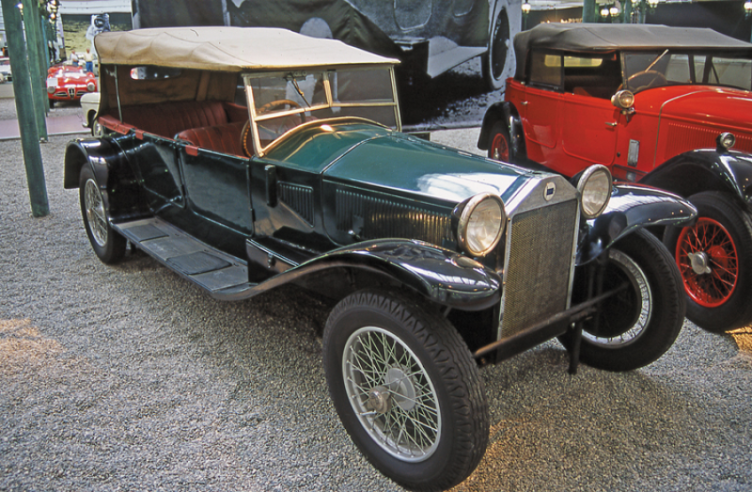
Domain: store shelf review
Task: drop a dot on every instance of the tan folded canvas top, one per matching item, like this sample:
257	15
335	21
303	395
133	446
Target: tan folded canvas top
230	49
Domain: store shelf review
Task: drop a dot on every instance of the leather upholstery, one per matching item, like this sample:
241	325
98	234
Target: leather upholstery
167	119
219	138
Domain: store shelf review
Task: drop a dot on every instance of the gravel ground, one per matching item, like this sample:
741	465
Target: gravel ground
128	378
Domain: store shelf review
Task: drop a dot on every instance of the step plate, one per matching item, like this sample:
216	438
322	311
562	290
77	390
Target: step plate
203	265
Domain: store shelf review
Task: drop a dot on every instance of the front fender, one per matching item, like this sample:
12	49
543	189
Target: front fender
706	170
444	276
631	207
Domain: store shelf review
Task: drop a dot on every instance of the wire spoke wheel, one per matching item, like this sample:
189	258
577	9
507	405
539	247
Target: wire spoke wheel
406	388
638	324
105	241
500	148
392	395
630	311
95	214
708	262
714	257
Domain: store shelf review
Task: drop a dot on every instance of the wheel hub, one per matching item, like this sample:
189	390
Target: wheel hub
401	387
379	400
700	262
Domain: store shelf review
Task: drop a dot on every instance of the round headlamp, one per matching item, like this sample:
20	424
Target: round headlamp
725	141
480	223
623	99
50	89
91	87
595	189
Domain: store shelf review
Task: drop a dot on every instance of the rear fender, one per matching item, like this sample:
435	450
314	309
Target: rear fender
631	207
706	170
114	175
443	276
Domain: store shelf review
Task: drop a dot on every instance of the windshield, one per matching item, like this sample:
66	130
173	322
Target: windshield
661	68
285	101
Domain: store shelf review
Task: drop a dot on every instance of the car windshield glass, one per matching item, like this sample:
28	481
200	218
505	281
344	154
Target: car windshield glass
284	101
661	68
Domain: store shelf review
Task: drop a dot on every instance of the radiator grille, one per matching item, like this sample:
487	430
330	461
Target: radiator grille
372	218
298	198
537	276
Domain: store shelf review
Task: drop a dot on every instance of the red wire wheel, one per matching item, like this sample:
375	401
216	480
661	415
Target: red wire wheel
708	262
498	147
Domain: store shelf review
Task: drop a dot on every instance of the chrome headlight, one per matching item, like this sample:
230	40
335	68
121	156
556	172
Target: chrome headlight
91	87
480	221
725	141
623	99
595	189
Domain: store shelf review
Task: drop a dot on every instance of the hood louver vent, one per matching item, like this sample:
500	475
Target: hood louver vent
371	218
299	199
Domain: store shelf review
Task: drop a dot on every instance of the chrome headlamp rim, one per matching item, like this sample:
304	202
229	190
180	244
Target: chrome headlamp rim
467	208
725	141
624	99
582	183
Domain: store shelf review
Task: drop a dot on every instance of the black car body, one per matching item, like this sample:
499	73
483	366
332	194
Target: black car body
243	170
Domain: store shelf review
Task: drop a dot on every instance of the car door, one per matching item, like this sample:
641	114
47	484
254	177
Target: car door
540	108
217	189
590	122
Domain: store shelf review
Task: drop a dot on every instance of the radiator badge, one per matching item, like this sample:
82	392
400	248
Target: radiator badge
549	191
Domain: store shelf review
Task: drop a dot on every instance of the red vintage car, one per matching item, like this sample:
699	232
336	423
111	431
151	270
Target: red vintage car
69	83
660	105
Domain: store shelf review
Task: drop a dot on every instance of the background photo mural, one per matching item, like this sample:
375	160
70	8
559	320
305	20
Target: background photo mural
456	54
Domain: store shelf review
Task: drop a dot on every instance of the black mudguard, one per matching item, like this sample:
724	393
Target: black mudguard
508	113
706	170
632	207
114	174
444	276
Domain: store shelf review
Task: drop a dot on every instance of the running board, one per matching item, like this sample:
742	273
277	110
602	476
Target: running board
223	276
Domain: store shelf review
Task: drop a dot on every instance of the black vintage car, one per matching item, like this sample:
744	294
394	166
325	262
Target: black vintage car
244	159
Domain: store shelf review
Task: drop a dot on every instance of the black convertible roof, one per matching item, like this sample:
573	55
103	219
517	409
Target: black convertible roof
612	37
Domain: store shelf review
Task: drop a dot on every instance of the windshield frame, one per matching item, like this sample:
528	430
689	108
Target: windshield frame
695	57
329	103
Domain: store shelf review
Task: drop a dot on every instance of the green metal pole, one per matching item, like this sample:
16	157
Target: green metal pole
588	11
25	110
36	60
627	12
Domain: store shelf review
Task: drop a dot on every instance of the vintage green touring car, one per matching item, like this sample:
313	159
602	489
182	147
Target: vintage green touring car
244	159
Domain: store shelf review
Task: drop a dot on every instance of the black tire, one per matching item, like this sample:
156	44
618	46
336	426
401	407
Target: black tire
432	360
106	243
639	324
494	60
720	297
499	143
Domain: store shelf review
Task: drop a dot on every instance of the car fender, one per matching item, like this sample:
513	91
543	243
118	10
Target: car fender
507	112
632	207
112	171
443	276
706	170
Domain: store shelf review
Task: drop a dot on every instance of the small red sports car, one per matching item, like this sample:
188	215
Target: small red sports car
69	83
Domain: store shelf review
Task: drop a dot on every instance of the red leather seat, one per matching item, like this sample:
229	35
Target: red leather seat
167	119
219	138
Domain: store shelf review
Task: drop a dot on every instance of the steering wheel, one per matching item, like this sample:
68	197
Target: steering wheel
645	80
280	102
